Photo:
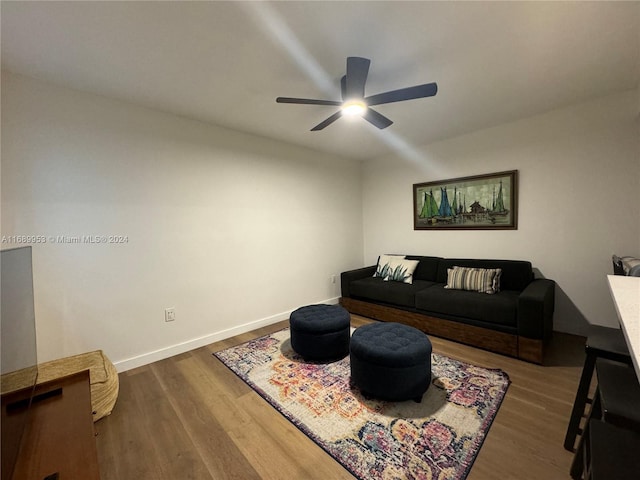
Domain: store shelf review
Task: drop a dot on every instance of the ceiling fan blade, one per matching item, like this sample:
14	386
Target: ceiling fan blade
409	93
357	71
307	101
328	121
343	87
376	119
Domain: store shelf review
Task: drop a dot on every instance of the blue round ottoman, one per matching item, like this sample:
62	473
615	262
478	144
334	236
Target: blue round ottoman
320	332
390	361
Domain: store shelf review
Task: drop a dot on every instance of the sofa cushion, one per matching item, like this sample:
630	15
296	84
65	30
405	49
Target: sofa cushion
481	280
499	308
516	274
394	293
427	269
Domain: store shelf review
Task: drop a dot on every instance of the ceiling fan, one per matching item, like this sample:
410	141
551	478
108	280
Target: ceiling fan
355	103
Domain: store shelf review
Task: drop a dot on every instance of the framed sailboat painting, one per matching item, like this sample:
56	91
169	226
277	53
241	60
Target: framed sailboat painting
481	202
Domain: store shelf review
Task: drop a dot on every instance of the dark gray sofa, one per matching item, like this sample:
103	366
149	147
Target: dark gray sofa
516	321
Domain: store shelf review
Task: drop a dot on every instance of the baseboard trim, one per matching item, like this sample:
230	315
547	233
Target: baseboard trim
178	348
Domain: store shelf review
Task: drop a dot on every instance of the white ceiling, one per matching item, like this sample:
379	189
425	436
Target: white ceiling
226	62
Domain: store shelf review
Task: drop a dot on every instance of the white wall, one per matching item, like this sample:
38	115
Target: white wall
232	230
211	214
579	177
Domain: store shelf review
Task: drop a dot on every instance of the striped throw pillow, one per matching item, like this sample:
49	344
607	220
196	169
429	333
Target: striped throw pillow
482	280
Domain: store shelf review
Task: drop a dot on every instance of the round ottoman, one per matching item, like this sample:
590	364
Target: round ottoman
390	361
320	332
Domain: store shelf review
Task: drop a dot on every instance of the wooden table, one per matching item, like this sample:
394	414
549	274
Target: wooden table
626	297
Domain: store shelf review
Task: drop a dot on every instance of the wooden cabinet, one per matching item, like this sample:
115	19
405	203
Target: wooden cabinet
59	437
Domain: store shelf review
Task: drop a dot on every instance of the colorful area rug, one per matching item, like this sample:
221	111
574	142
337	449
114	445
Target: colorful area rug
438	438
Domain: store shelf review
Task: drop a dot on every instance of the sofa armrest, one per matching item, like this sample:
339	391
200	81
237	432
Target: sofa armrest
347	277
535	309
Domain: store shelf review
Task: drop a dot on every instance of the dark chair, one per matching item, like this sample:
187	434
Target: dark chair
616	404
619	394
610	452
618	269
602	342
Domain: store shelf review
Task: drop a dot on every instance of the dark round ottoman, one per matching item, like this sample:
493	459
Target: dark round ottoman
320	332
390	361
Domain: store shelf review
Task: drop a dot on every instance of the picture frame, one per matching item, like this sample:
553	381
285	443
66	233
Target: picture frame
480	202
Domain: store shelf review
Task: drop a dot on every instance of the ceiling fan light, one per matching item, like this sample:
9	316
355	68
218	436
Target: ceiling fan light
354	108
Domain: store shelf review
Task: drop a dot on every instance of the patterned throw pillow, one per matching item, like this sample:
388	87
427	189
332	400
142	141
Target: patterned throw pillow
401	270
482	280
384	264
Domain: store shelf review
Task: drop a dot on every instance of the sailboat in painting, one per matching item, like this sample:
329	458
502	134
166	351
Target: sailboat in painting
433	213
498	204
429	206
444	212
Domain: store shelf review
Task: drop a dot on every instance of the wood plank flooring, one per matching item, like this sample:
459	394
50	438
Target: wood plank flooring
189	417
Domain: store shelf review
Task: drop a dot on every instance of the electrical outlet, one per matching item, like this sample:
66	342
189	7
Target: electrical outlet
169	314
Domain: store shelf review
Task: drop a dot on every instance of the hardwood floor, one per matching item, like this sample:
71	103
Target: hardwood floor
189	417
